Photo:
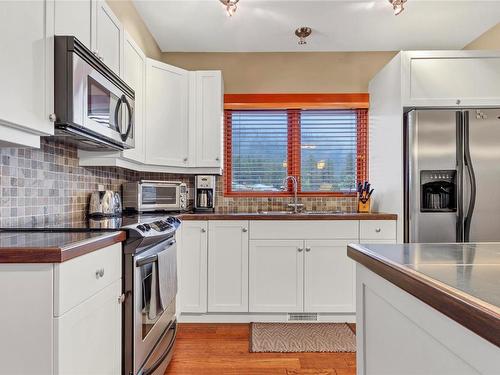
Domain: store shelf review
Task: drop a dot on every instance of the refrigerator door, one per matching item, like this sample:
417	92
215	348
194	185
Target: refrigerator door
431	152
483	221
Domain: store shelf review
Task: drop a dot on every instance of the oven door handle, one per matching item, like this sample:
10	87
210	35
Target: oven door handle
152	258
164	355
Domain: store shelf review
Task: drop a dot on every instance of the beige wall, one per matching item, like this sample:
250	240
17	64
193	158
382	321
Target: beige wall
135	26
288	72
489	40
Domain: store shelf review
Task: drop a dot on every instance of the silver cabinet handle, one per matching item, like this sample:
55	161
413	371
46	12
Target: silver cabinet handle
52	117
185	159
378	230
121	299
308	249
203	230
99	273
300	250
245	230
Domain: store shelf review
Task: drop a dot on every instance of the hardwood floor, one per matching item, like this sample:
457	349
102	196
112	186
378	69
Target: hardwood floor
222	349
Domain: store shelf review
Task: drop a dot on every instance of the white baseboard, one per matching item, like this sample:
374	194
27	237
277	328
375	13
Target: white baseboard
261	318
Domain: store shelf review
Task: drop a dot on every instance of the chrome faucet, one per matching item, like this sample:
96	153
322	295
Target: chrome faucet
295	205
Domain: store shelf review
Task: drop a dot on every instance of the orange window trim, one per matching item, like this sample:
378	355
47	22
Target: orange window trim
306	101
297	101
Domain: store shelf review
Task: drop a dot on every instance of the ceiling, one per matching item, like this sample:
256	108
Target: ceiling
349	25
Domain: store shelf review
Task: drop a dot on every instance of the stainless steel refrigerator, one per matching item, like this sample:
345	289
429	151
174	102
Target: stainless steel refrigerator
452	175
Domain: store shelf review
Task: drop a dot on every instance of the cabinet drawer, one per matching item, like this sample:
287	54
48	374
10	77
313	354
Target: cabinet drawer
303	230
377	230
80	278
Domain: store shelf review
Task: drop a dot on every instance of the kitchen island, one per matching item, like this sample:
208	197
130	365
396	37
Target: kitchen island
427	308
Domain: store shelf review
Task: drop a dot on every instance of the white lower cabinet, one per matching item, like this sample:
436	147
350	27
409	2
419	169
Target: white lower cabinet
193	267
87	337
228	266
62	319
276	270
329	277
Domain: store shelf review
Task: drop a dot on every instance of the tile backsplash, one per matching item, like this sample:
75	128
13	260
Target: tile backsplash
239	204
47	185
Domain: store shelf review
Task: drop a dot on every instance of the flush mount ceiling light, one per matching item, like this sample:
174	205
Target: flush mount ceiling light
303	33
230	6
398	6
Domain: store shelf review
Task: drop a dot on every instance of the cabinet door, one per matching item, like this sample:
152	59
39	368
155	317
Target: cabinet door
109	37
207	113
26	67
134	73
75	18
276	270
166	115
88	337
228	266
193	267
329	277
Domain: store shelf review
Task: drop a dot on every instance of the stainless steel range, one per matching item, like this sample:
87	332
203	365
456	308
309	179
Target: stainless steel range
150	288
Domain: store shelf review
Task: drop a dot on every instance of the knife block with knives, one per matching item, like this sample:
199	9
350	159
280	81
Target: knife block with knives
364	197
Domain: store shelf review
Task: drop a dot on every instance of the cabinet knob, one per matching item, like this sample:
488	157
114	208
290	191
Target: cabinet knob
99	273
217	159
203	230
52	117
458	101
245	230
300	250
308	249
378	230
121	299
185	159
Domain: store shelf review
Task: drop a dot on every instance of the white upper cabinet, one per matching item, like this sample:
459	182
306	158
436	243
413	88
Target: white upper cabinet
450	78
109	36
134	74
75	18
166	115
26	71
206	117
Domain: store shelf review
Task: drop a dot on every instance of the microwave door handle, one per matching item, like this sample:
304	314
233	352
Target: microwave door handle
125	135
117	113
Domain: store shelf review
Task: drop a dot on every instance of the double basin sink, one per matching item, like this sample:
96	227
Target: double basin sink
301	213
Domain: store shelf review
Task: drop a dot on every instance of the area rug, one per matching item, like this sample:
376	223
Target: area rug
301	337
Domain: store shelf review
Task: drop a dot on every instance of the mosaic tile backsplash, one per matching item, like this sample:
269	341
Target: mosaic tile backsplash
237	204
47	186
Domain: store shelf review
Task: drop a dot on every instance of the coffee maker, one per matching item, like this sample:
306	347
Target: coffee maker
204	193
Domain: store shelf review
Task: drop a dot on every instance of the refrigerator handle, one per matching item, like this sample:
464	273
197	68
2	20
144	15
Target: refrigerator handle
472	178
459	192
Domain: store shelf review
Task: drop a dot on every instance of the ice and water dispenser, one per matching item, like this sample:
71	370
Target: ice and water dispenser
438	189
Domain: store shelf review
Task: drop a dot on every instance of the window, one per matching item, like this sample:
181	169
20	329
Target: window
325	149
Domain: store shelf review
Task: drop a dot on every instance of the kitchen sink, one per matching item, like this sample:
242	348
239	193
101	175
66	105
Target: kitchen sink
301	213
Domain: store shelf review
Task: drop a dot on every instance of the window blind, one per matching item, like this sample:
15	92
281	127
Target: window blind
259	149
326	150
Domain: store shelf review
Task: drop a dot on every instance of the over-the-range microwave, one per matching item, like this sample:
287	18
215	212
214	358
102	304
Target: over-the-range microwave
94	107
147	195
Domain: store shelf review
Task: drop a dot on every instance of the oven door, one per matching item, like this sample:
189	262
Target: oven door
151	320
100	107
159	197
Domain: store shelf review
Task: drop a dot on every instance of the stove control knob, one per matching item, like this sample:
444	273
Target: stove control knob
141	227
148	227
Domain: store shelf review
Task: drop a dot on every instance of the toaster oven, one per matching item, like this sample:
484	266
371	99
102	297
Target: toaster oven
147	195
